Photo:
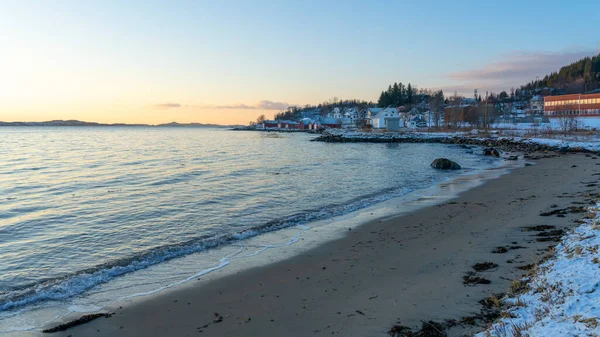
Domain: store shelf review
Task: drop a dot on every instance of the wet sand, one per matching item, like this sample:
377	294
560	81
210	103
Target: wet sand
405	269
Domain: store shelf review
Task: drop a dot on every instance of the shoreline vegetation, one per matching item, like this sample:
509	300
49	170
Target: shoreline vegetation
421	274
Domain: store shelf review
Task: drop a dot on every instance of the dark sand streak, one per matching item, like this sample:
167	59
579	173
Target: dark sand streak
400	271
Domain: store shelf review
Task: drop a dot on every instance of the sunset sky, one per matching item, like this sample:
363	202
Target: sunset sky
229	61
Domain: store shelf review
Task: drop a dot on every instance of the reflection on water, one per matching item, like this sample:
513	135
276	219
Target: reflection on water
81	206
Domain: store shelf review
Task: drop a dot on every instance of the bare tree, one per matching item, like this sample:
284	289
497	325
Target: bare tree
260	119
455	117
435	105
325	110
361	114
567	124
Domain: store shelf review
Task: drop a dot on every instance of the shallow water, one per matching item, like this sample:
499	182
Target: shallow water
84	212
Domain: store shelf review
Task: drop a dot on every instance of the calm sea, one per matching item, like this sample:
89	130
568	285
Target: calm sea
83	208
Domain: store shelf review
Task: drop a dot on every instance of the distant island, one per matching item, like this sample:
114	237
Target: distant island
81	123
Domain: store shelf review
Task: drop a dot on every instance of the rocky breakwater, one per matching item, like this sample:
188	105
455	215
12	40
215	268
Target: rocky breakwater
523	145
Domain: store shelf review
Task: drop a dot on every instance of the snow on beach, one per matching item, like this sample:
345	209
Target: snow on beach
561	298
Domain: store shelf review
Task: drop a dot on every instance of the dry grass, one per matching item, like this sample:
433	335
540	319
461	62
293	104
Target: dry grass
518	330
506	314
574	252
493	302
541	313
518	287
514	330
590	323
496	302
546	296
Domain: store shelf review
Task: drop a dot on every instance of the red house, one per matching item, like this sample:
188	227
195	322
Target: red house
270	124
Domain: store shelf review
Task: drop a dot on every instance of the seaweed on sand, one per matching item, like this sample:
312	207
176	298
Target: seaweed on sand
81	320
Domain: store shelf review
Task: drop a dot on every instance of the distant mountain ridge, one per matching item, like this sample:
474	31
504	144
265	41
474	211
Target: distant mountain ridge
73	122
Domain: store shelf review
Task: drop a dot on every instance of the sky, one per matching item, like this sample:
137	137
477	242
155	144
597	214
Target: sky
227	61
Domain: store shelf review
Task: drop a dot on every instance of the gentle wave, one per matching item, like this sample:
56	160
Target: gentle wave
75	284
84	206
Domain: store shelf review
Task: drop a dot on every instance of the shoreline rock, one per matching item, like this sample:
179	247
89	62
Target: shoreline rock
506	144
445	164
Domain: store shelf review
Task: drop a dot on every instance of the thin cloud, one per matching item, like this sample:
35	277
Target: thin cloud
262	105
270	105
167	106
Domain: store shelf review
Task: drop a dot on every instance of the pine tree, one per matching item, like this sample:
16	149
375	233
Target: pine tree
395	94
402	94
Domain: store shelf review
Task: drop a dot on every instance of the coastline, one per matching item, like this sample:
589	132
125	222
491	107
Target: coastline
401	270
492	138
165	276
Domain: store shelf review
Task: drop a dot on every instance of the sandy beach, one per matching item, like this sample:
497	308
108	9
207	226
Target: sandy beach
400	270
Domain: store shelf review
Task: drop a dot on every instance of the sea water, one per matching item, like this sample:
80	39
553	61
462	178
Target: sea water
90	215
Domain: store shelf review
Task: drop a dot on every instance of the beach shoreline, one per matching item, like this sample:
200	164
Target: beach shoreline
401	270
123	290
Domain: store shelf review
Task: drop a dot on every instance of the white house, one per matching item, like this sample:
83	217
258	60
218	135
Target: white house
416	122
371	113
336	113
377	116
537	104
350	117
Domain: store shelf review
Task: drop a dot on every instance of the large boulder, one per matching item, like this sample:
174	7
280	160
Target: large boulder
445	164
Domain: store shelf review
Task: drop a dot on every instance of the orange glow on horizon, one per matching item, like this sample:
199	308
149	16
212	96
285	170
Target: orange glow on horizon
144	115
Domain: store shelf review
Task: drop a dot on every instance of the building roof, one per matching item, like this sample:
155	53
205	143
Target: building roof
572	96
379	111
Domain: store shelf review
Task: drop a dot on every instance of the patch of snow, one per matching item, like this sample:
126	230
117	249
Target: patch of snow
584	122
564	295
523	126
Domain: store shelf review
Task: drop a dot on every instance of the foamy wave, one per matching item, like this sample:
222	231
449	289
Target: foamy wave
72	285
